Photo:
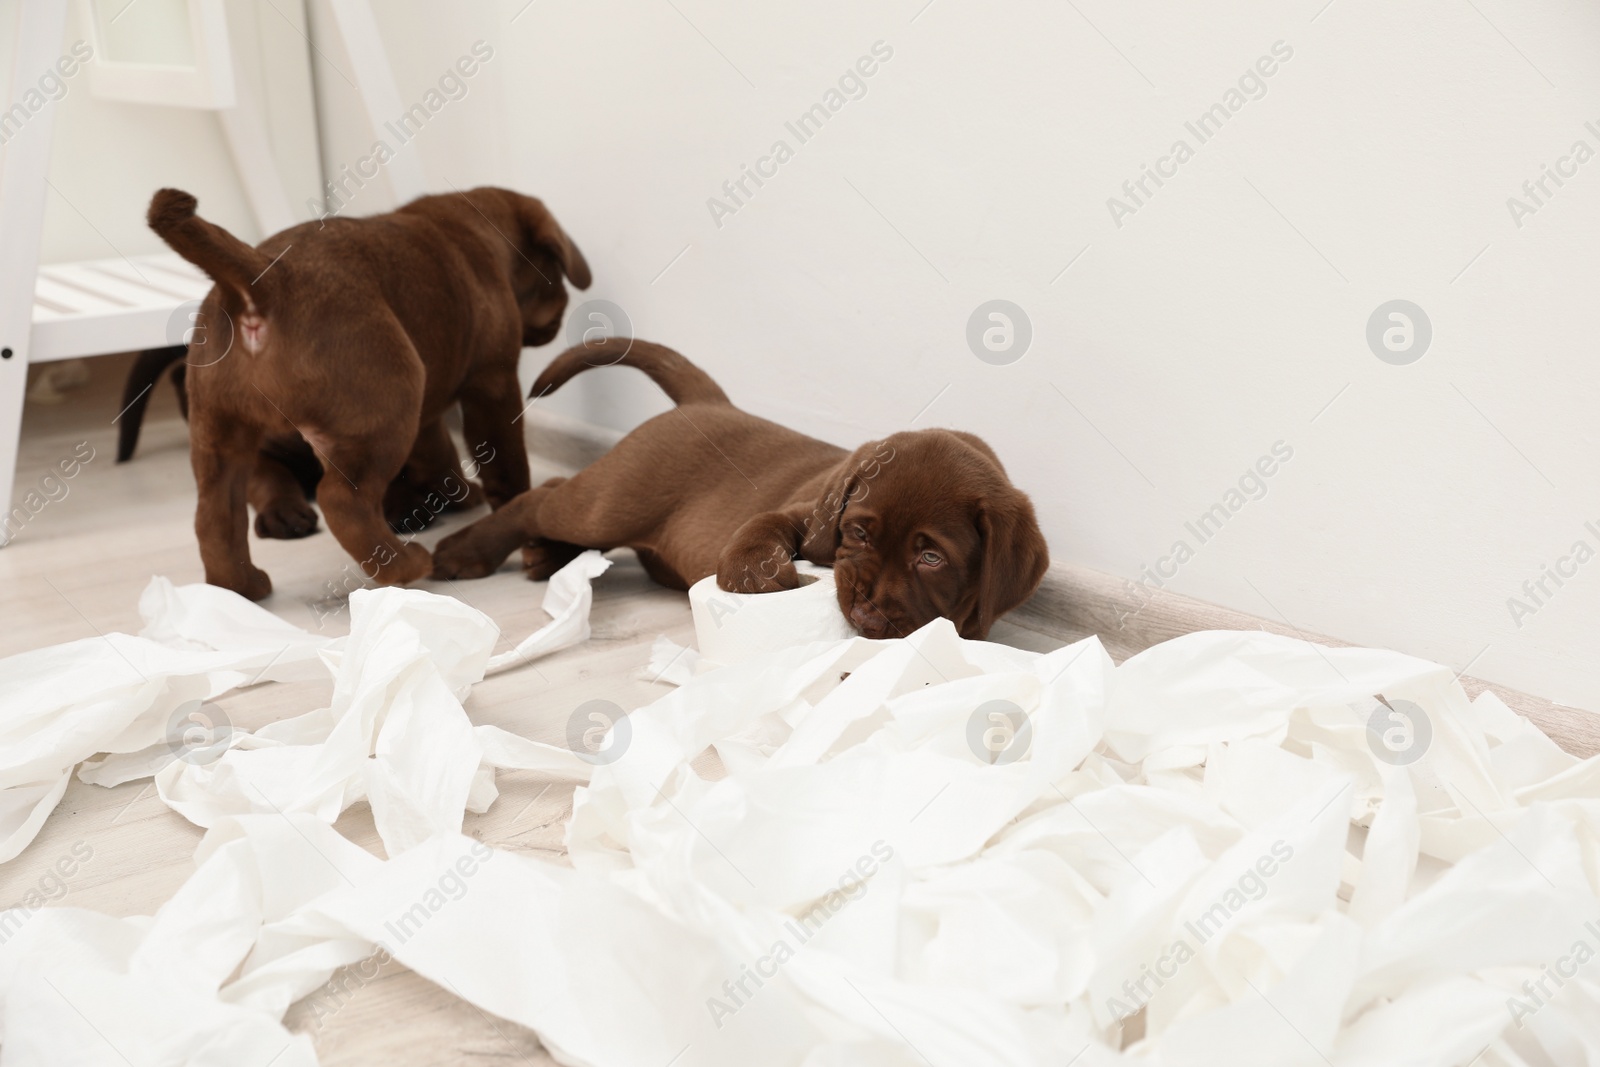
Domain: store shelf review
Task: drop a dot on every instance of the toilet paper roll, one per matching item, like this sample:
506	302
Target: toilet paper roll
731	627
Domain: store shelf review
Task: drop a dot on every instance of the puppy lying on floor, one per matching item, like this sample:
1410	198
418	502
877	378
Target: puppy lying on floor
350	339
918	525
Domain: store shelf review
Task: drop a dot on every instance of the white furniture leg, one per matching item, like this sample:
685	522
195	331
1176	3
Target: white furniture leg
24	181
245	125
358	27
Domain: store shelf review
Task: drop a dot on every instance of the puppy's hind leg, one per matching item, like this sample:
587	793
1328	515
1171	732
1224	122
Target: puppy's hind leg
595	508
543	556
478	551
351	495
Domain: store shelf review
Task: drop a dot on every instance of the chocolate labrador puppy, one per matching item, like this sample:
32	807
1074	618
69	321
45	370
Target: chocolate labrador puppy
918	525
350	339
284	481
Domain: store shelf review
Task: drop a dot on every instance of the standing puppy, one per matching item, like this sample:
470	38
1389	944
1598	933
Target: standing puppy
356	336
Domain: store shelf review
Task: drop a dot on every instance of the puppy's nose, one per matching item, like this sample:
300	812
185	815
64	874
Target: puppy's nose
867	619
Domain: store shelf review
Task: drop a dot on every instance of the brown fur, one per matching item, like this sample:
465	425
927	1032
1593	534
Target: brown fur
349	340
709	489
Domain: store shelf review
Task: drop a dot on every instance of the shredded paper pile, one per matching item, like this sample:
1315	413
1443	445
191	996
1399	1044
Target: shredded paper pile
1233	849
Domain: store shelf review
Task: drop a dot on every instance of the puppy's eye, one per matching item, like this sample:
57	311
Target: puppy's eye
858	532
932	559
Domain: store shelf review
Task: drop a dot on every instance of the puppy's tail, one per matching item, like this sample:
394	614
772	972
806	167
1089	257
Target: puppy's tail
142	379
227	260
679	379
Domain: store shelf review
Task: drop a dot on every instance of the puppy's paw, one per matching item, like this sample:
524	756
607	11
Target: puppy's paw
756	572
286	519
249	581
541	558
462	555
412	563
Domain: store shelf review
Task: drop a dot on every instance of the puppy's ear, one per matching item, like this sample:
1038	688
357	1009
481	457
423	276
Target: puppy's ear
821	540
982	446
850	479
1014	558
541	228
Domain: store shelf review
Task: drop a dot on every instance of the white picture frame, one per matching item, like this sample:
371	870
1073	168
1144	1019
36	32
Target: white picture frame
208	84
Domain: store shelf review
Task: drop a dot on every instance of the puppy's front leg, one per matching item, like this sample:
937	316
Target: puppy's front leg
222	452
759	558
491	414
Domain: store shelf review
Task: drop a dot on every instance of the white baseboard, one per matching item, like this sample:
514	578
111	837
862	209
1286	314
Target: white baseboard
567	441
1073	602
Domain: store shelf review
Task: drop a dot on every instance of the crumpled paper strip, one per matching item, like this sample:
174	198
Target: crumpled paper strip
409	652
395	734
1151	841
63	704
568	598
83	988
1206	837
672	663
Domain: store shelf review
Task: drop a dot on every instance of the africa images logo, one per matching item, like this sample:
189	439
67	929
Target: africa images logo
738	191
1251	85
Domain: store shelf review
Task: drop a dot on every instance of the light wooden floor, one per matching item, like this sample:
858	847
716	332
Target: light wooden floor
78	568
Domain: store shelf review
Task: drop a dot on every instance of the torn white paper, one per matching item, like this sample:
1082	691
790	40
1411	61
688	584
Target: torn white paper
1244	848
117	693
395	734
399	676
567	600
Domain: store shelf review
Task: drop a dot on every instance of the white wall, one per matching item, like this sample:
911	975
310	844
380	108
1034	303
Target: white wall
1221	318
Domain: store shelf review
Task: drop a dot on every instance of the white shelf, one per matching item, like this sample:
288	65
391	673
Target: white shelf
111	305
